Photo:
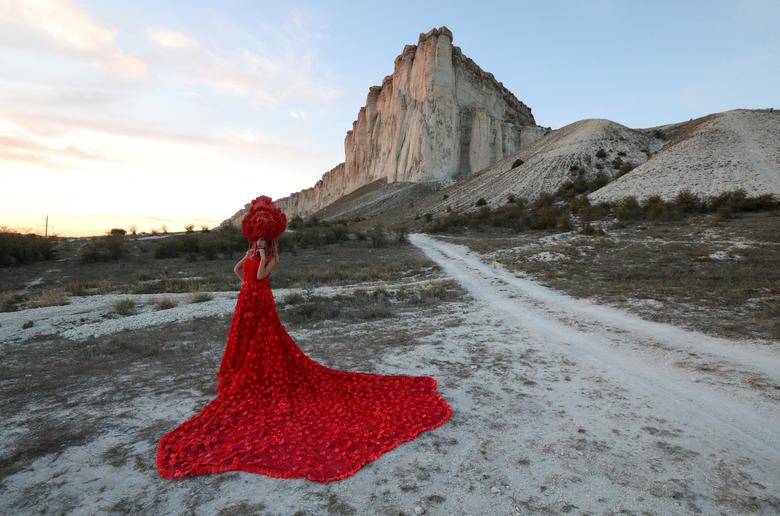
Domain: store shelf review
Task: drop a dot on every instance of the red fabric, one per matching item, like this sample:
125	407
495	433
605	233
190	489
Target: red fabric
279	413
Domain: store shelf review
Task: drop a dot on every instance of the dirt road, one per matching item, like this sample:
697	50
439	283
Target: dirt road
677	413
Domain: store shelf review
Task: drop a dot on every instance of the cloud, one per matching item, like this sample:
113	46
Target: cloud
60	27
28	150
265	78
167	38
297	113
62	142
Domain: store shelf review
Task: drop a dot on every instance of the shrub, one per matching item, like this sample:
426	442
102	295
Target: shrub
294	298
19	249
117	232
200	297
165	303
480	202
49	297
189	228
403	234
208	245
8	300
295	222
377	235
104	249
628	209
588	229
688	202
625	168
601	154
655	208
125	307
517	163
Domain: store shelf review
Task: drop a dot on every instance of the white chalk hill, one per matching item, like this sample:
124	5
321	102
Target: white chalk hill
709	155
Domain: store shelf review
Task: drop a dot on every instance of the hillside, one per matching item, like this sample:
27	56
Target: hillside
709	155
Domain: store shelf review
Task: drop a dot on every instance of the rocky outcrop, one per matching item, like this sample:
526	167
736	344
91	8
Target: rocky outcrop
581	149
708	156
437	117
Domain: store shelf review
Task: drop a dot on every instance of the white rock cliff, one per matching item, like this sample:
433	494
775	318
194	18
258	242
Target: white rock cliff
437	117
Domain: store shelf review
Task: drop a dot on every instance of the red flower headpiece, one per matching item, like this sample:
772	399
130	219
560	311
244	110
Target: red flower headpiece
263	220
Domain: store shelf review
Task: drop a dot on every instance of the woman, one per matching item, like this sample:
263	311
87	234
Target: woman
277	411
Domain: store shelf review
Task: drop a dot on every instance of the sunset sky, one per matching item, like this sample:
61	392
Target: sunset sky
152	113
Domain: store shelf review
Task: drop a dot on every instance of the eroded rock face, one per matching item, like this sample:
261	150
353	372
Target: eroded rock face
437	117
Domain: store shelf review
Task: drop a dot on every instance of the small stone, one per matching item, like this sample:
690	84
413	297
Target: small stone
495	490
418	509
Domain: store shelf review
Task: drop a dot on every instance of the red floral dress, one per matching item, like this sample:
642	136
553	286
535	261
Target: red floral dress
279	413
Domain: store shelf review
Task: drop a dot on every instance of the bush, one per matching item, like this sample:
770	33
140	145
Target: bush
517	163
189	228
377	235
208	245
688	202
165	303
601	154
625	168
200	297
403	235
125	307
480	202
104	249
628	209
655	208
19	249
50	297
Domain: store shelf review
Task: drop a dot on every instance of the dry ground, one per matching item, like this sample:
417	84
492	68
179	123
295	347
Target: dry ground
553	411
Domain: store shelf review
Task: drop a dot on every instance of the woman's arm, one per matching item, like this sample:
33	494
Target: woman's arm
266	266
238	266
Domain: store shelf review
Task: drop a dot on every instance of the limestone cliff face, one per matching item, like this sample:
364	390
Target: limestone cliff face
437	117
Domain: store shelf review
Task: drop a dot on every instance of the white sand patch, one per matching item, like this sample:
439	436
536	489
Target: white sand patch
724	256
547	256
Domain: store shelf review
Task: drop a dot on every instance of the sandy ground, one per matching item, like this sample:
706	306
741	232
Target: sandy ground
559	406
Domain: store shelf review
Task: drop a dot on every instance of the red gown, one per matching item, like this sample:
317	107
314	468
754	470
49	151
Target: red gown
279	413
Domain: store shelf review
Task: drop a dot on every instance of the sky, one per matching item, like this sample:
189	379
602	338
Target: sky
152	113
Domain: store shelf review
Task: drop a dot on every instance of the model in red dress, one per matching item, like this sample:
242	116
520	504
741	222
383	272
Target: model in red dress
278	412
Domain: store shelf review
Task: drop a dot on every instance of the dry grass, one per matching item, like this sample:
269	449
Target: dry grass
47	297
164	303
125	307
8	300
666	271
200	297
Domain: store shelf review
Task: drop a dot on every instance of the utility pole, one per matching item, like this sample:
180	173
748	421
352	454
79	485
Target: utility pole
46	231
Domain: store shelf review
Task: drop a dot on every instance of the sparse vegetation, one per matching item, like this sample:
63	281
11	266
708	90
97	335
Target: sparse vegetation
200	297
601	154
104	249
19	249
48	297
165	303
377	236
8	301
125	307
207	245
